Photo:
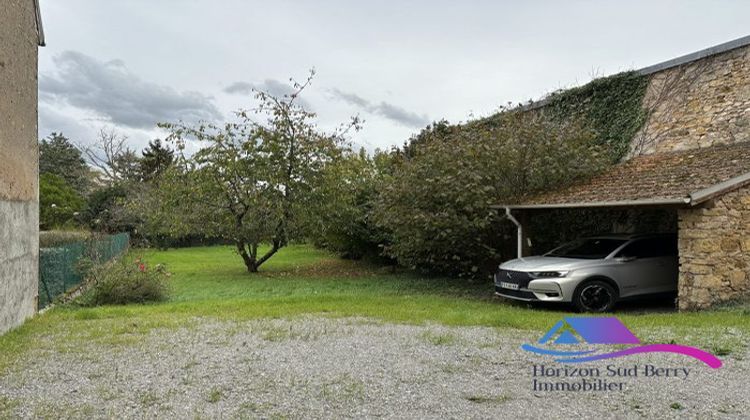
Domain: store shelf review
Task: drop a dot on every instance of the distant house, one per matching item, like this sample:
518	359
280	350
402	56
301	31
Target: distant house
21	35
693	164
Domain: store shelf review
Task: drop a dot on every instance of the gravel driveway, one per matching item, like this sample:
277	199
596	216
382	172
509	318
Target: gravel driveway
318	367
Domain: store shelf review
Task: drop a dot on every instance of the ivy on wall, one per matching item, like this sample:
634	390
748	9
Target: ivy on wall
612	106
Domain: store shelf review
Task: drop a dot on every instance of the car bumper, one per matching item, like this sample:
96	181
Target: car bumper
543	290
523	294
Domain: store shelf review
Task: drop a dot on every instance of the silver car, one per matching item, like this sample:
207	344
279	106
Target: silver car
594	273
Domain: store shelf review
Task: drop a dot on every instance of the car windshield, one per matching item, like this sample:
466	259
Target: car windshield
589	248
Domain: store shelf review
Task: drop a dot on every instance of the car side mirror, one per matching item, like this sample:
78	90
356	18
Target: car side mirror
625	259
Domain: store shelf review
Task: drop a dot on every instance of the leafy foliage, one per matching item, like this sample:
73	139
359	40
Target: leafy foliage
105	210
156	159
58	156
254	182
342	216
58	201
436	207
611	106
127	166
124	281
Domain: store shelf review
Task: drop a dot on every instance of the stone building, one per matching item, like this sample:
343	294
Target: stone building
20	36
690	160
699	100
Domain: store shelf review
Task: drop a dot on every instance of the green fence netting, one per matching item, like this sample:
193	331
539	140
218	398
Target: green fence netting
57	265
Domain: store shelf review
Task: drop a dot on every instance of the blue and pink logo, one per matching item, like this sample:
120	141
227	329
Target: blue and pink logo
606	330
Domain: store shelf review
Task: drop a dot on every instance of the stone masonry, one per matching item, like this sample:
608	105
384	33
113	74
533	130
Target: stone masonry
697	101
714	243
19	203
700	104
697	104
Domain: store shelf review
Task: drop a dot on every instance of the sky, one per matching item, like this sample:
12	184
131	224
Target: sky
130	64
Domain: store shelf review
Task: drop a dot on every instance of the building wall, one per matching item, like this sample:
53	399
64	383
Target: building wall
19	203
699	104
715	251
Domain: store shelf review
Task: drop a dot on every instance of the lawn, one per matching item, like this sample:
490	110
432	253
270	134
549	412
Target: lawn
211	282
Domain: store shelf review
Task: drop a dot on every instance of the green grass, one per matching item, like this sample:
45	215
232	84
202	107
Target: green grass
214	396
444	339
212	282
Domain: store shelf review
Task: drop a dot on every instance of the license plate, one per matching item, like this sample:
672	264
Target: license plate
511	286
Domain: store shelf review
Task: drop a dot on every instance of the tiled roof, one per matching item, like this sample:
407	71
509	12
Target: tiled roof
684	177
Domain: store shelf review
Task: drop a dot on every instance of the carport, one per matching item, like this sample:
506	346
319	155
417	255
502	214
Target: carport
708	189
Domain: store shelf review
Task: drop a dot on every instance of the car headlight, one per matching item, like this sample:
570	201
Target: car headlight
548	274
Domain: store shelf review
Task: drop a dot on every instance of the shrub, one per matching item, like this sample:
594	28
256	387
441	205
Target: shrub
341	217
436	205
54	238
123	281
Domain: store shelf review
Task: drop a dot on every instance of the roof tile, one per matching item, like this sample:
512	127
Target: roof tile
662	176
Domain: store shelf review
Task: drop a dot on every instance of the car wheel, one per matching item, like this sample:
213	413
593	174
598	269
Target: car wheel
595	296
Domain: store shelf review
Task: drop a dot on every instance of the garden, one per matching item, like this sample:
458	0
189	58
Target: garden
274	271
314	335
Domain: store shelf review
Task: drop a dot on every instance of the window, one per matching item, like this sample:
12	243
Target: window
591	248
650	248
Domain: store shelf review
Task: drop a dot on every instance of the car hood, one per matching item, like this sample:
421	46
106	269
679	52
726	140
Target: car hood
542	263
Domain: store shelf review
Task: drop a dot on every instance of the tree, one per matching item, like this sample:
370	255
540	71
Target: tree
58	201
156	159
105	210
254	181
437	131
342	216
58	156
436	205
113	158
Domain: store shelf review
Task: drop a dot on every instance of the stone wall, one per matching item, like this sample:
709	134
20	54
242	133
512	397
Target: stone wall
715	251
19	203
698	104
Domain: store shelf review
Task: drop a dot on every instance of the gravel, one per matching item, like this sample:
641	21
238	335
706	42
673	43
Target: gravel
320	367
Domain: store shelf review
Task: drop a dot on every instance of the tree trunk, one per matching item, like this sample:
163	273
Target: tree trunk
249	259
268	255
252	262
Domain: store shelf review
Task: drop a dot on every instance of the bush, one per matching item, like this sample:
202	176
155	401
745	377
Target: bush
54	238
341	217
124	281
436	205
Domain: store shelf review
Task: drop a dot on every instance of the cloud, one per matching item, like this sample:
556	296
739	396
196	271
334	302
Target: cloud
110	90
52	120
384	109
271	86
83	131
239	88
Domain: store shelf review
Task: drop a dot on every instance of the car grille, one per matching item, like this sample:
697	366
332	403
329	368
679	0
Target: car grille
517	277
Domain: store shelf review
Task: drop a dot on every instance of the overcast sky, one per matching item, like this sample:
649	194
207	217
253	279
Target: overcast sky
398	64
